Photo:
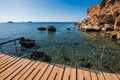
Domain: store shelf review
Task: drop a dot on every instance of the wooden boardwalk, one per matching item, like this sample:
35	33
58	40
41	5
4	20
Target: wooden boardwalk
15	68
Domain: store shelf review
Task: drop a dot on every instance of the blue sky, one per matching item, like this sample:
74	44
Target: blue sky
44	10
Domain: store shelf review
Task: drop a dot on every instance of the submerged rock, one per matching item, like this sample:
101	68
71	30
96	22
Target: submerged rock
68	28
36	55
40	56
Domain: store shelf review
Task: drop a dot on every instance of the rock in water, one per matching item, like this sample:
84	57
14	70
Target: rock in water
27	43
37	55
68	28
40	56
51	28
41	28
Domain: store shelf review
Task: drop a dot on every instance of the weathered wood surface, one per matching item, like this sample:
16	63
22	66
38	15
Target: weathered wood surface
15	68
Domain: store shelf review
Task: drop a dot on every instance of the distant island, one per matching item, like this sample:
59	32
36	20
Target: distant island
29	21
10	22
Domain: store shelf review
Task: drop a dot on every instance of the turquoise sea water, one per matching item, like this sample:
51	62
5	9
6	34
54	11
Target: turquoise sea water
71	45
70	39
29	30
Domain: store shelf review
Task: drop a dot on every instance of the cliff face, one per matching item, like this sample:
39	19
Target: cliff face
102	16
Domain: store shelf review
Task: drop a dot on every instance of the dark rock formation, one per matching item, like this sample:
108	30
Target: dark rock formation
117	24
51	28
36	55
68	28
102	16
65	58
40	56
27	43
41	28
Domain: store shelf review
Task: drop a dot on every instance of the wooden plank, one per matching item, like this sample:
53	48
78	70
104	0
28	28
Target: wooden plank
53	74
2	70
4	58
34	73
100	76
18	70
24	76
2	55
13	68
56	73
8	61
47	72
70	73
87	75
60	73
107	76
41	72
16	77
10	64
66	75
80	75
114	76
93	75
118	75
73	74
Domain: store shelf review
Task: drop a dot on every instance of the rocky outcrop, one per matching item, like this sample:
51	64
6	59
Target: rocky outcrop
118	36
117	24
51	28
102	16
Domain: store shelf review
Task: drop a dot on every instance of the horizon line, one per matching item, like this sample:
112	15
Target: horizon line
34	21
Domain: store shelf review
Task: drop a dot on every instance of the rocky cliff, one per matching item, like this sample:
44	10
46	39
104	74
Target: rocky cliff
102	16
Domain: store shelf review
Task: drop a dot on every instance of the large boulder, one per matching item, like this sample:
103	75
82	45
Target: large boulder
51	28
107	27
27	43
41	28
118	36
117	23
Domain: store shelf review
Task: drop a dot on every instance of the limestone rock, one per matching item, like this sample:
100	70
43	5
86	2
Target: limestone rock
101	14
118	36
117	23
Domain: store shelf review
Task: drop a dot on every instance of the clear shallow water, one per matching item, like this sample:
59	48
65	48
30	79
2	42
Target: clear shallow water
46	41
73	44
10	31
